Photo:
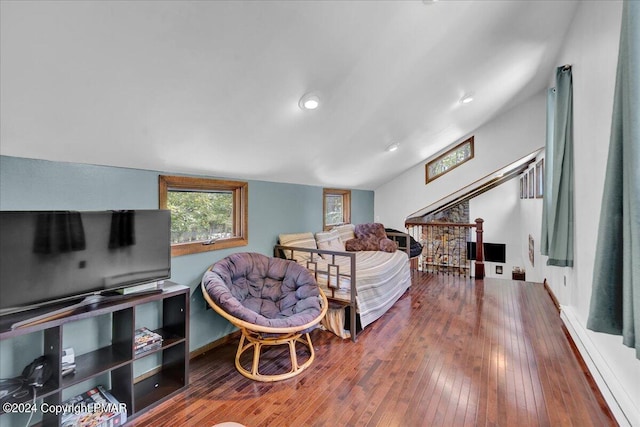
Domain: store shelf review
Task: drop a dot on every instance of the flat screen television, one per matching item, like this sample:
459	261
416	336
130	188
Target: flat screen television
48	257
492	252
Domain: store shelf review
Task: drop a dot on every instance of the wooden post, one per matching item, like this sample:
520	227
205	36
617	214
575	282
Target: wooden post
479	255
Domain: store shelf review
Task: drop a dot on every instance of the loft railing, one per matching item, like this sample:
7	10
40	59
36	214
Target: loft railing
445	247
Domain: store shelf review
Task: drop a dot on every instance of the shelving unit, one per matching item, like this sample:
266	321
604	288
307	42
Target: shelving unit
116	359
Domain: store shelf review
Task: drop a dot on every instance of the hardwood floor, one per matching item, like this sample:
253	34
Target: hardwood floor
451	352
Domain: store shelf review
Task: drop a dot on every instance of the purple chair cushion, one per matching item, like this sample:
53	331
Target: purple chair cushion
264	291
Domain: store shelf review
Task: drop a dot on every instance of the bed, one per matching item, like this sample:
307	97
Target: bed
361	286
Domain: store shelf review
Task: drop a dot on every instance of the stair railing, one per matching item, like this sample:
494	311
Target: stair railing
446	246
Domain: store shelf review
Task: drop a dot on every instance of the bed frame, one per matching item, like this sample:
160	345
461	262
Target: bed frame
335	275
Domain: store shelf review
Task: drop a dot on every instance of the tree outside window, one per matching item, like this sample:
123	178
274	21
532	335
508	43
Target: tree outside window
206	214
336	207
199	216
449	160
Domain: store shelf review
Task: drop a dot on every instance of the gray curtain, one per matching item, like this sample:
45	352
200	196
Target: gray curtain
558	216
615	301
548	171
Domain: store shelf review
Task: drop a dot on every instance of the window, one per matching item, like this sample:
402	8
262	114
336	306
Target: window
540	179
206	214
336	207
449	160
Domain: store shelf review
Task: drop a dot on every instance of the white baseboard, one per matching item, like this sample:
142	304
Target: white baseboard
623	408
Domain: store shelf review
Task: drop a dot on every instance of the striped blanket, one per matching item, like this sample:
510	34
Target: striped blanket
381	279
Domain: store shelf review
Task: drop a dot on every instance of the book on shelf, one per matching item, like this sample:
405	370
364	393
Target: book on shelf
147	348
67	368
145	338
94	408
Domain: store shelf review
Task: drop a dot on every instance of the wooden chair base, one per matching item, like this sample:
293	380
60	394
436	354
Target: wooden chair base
255	340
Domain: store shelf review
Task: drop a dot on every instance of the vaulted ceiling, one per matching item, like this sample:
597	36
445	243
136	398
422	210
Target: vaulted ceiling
212	87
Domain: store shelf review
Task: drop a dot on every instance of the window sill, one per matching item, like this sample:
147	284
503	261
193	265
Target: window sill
179	249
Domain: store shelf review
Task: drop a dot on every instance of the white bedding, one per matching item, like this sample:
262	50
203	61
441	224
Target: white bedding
381	279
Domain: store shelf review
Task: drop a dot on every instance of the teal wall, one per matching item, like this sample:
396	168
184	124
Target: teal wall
274	208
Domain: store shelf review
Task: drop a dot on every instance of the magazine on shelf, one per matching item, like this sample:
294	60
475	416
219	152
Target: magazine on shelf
93	408
67	368
149	347
145	337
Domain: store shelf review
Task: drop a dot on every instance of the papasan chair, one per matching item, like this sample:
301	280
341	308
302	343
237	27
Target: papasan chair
272	301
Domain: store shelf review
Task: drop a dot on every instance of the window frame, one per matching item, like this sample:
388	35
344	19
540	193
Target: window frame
240	193
346	206
540	179
469	141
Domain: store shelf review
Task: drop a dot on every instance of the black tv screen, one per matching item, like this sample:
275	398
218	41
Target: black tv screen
493	252
48	256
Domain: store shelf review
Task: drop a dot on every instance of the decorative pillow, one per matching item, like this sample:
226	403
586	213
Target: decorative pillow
329	241
371	237
355	245
388	245
346	232
299	240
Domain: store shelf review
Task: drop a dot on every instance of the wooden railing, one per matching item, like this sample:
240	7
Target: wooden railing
445	246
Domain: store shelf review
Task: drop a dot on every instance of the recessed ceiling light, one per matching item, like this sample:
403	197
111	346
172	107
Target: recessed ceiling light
309	101
466	99
393	147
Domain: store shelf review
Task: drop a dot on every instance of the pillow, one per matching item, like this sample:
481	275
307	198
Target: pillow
356	245
329	241
300	240
346	232
388	245
371	237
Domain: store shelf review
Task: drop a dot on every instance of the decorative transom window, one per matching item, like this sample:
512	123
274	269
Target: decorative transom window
206	214
449	160
336	207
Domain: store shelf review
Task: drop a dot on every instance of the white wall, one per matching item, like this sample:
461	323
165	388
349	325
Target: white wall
592	49
530	213
501	205
509	137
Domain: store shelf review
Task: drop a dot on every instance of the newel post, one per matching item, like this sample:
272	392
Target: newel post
479	255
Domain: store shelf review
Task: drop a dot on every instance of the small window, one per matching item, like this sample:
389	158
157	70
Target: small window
206	214
540	179
336	207
449	160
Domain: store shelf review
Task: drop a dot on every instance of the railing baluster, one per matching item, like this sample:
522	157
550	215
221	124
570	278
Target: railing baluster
479	254
445	247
